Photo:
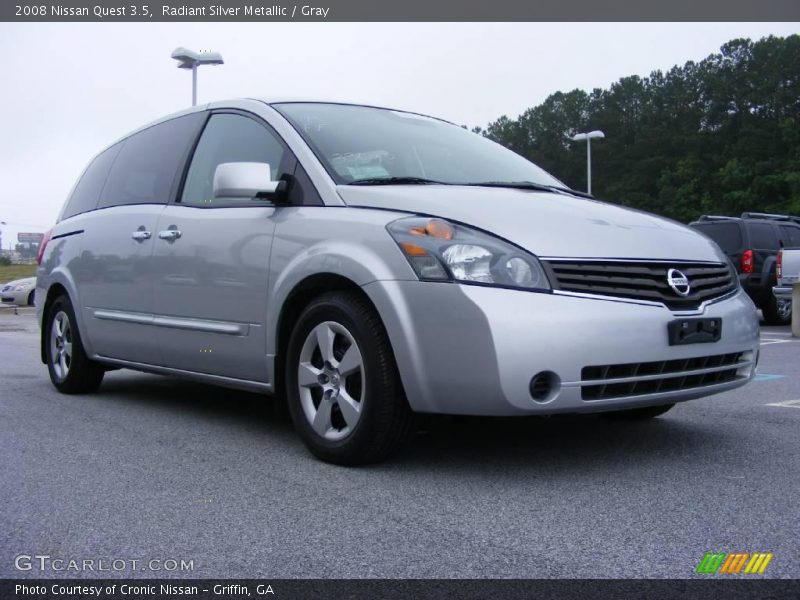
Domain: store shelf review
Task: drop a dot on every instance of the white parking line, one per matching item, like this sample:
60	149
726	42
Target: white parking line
787	403
770	342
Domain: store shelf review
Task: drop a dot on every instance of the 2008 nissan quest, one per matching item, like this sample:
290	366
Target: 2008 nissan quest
371	264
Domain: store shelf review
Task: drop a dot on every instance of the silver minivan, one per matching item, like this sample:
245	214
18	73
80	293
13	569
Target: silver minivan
368	265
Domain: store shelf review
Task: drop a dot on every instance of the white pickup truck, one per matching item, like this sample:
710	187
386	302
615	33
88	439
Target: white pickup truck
787	271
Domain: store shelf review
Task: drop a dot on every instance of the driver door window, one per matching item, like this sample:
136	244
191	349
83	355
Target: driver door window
229	138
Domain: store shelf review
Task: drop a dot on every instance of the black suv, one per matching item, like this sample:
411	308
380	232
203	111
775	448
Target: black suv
752	242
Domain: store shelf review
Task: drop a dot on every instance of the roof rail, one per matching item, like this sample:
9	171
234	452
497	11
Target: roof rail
716	218
770	216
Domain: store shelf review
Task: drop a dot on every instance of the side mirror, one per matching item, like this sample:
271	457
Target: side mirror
245	180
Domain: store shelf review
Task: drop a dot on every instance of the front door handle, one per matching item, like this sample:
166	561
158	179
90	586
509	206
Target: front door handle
171	234
141	235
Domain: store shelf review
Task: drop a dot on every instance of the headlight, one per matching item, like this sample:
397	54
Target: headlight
443	251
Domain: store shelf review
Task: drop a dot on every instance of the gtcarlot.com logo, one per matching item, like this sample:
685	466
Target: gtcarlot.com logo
46	563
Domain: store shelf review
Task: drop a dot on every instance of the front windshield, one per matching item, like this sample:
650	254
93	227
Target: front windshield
360	143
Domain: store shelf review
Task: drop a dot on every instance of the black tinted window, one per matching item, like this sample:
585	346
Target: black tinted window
790	234
86	193
148	164
229	138
727	235
762	236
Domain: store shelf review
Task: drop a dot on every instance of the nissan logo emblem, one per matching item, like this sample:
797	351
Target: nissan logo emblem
678	282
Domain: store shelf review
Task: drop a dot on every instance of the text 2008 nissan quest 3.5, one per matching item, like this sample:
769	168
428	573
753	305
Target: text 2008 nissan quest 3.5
370	265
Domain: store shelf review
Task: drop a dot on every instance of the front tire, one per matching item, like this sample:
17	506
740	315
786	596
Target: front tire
71	371
343	389
637	414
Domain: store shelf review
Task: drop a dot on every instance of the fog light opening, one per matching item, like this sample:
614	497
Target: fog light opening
544	386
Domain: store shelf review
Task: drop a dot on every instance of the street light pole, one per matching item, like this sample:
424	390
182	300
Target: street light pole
194	85
188	59
588	166
578	137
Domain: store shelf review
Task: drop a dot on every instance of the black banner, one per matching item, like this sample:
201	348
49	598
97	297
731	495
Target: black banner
408	589
407	10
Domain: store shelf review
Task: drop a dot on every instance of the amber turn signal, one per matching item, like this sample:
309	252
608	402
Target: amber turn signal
435	228
413	249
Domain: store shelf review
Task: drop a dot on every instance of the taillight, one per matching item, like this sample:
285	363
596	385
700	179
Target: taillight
42	246
779	265
747	261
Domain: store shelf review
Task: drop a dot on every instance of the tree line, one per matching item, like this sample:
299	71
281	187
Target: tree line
719	136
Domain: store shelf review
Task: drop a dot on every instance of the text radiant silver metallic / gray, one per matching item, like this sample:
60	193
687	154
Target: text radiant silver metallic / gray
369	265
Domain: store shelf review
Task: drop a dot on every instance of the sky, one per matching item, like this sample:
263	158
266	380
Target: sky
70	89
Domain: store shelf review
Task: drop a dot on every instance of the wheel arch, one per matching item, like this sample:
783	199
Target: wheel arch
301	295
53	292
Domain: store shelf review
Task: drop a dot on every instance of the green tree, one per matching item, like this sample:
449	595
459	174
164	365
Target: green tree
716	136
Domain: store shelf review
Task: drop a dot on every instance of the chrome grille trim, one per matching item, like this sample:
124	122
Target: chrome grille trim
641	281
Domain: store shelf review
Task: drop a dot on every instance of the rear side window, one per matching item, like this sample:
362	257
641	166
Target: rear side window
763	236
727	235
87	192
790	236
147	167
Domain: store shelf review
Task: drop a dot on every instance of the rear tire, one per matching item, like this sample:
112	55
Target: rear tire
637	414
71	371
342	385
777	314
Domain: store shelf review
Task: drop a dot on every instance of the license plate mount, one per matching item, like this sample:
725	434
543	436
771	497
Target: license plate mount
694	331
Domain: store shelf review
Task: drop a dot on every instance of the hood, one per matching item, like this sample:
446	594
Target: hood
548	225
25	281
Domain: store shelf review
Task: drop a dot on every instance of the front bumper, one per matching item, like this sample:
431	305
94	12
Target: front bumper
782	292
464	349
18	298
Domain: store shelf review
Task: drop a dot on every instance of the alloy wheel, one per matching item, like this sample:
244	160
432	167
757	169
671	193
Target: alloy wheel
785	310
330	377
61	345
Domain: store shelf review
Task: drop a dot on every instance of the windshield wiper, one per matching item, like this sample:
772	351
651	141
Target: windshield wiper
529	185
396	181
567	190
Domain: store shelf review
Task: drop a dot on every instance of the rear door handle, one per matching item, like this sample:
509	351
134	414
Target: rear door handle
141	235
171	234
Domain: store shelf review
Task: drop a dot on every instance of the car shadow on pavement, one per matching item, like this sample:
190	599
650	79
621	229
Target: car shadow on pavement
571	443
195	400
538	444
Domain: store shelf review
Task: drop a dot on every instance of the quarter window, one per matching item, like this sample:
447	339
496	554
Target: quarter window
790	236
727	235
763	237
229	138
87	191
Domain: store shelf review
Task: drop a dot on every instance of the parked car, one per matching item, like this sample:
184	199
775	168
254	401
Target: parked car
20	292
788	273
752	242
370	264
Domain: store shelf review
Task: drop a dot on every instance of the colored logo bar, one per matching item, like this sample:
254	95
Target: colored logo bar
734	563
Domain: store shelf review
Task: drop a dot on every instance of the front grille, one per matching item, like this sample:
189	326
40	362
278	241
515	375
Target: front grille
603	382
643	280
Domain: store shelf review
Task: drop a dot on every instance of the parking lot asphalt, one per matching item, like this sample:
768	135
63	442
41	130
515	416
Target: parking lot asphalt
157	468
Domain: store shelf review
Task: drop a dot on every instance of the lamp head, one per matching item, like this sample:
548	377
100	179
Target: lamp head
596	134
188	59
